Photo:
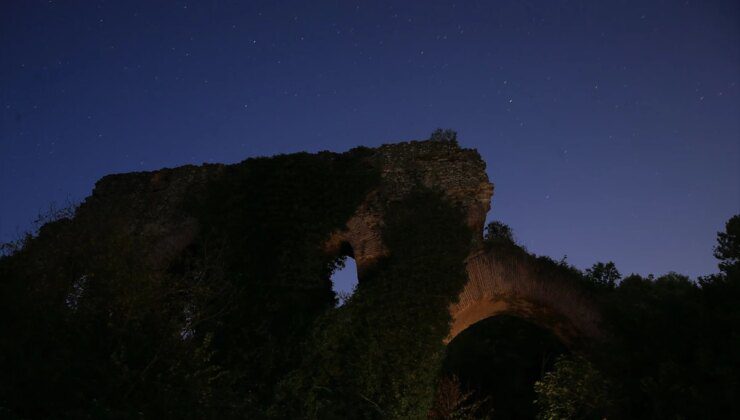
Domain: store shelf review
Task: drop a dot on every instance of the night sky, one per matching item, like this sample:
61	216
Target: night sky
611	129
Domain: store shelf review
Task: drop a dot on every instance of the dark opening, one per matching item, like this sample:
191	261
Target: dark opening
344	278
495	363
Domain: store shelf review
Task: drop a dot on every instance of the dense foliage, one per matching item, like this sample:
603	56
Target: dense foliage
674	348
498	359
573	389
89	329
266	221
379	355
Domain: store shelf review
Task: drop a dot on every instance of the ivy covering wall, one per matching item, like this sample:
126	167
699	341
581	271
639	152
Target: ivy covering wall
379	355
242	322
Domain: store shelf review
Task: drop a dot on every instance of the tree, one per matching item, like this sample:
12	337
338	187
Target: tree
451	402
727	250
573	390
604	275
443	134
498	232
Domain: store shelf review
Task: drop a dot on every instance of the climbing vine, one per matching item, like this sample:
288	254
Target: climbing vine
379	355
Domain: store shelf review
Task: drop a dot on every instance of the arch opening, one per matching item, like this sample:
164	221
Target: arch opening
493	365
344	278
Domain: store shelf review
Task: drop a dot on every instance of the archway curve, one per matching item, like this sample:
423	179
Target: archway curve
497	361
516	283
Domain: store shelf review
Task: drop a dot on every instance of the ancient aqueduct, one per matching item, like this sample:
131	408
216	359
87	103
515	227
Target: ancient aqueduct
497	284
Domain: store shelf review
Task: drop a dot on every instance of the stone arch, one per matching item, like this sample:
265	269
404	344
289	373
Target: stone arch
517	284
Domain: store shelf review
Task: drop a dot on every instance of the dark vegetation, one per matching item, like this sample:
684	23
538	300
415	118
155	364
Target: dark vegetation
89	330
265	222
499	359
244	323
674	344
672	348
378	355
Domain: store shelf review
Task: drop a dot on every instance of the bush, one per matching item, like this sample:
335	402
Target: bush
574	389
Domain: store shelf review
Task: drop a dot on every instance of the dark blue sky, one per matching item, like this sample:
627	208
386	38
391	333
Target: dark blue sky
611	129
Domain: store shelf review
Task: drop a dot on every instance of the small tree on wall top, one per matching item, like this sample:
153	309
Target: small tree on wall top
443	134
498	232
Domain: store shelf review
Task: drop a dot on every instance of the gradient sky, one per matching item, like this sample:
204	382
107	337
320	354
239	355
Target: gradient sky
611	129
